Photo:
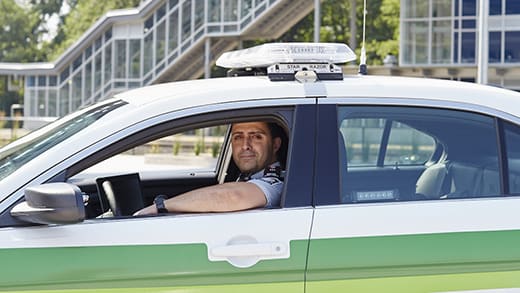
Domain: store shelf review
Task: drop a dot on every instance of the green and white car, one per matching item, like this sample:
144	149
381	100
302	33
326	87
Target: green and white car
391	185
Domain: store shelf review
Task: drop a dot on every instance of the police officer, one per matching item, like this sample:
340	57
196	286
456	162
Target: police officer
255	147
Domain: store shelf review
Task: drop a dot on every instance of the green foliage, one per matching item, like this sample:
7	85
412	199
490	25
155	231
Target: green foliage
176	147
215	149
197	148
83	16
19	33
382	27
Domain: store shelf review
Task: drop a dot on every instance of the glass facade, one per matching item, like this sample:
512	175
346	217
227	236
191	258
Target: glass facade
132	54
451	27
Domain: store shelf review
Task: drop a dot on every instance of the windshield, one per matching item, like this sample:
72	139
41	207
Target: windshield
14	156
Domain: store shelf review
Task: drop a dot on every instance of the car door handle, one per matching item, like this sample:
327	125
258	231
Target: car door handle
252	249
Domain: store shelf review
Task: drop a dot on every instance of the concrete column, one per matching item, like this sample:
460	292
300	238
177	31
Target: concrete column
483	45
207	58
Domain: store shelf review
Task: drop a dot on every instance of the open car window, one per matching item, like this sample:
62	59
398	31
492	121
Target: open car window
196	149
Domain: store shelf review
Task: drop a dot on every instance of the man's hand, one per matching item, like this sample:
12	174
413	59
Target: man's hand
149	210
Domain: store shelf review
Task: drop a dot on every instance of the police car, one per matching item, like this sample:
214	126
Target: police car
391	185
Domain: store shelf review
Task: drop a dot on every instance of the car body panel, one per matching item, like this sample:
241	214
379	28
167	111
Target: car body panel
159	251
391	243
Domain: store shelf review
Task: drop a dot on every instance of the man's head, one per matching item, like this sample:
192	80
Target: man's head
255	145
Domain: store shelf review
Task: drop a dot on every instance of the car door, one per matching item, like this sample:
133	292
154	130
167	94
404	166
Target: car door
462	236
256	250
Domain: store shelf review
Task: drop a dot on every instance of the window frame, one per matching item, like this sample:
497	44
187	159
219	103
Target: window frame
328	196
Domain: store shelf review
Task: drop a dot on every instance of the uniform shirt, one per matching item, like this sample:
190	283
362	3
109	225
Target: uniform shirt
270	181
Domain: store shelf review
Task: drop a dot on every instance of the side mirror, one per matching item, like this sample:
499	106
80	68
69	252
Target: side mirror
52	203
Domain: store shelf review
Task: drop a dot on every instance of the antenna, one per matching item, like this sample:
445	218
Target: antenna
363	57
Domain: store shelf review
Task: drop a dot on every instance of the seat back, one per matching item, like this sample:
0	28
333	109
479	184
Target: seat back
430	183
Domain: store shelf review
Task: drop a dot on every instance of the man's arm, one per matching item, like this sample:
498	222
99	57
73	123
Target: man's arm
227	197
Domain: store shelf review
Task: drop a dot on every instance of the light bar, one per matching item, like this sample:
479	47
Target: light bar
277	53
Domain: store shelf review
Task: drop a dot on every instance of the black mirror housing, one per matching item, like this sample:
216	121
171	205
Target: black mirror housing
52	203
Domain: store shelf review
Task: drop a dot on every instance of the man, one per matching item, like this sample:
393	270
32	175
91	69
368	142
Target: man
255	147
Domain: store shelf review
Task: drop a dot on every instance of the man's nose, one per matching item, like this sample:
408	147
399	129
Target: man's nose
246	143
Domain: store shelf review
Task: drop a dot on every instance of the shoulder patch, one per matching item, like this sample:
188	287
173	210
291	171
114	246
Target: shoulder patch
271	180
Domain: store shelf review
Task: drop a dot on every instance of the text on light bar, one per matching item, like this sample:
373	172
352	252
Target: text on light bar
275	53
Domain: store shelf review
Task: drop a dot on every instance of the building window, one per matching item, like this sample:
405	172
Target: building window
199	14
469	23
416	9
160	42
495	7
108	63
214	10
512	47
469	7
135	59
173	37
64	74
88	80
120	55
416	43
230	10
456	48
148	53
186	20
441	42
53	79
64	100
495	52
159	14
441	8
247	8
468	47
31	81
97	71
52	109
76	91
148	24
41	103
42	80
512	7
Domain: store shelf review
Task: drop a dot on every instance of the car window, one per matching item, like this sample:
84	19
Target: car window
512	138
15	155
196	149
406	153
363	138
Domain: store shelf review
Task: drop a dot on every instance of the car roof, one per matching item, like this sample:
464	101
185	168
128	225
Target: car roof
187	94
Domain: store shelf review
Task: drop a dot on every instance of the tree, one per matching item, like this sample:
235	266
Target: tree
82	17
382	27
19	35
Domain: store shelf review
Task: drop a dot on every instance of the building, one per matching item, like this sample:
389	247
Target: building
440	37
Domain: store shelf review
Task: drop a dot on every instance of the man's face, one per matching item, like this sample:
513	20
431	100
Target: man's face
253	147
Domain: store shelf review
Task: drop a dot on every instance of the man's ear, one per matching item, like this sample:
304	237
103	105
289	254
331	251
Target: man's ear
277	143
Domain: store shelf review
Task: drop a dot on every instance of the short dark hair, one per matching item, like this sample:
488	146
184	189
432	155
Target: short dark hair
277	131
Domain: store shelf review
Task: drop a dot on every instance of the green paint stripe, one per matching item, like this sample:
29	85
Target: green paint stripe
142	266
421	284
408	255
290	287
